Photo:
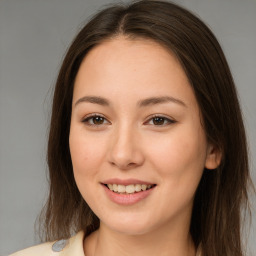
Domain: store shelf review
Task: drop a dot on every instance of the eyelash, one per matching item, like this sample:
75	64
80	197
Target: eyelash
88	118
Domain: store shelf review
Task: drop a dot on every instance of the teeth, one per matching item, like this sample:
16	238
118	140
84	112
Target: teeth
121	188
143	187
130	189
137	187
115	188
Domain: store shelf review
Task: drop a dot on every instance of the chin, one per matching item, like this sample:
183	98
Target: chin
128	225
130	230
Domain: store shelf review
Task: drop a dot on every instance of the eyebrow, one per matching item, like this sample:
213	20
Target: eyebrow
160	100
142	103
94	100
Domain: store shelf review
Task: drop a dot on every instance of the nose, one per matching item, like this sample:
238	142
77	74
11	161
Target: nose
126	150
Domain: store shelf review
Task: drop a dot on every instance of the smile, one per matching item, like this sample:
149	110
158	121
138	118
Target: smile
129	189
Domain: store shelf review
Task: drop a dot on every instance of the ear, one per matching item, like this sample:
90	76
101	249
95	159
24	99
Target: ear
213	157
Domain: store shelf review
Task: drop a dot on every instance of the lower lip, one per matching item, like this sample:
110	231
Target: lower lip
127	199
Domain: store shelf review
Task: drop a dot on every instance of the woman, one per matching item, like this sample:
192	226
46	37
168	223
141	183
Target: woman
147	150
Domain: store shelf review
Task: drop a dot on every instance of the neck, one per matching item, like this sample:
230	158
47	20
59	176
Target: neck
171	241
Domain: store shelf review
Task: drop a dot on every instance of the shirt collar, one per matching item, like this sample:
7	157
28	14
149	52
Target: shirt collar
74	246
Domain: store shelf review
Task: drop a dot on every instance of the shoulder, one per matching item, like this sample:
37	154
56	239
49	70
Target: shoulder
72	246
41	249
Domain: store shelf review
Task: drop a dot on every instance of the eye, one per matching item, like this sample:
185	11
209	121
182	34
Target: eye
160	121
98	120
95	120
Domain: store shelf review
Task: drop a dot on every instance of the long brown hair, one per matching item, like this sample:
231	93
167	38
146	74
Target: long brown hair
222	192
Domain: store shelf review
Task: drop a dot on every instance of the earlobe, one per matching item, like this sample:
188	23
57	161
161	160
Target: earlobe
213	157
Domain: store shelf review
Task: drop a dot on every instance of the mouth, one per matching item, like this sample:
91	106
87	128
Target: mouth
129	189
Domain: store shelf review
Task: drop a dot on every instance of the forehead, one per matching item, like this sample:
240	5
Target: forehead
139	67
132	53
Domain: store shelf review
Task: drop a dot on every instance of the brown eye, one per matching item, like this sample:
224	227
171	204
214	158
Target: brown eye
160	121
95	120
98	120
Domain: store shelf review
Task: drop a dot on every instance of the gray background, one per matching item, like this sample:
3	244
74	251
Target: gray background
34	35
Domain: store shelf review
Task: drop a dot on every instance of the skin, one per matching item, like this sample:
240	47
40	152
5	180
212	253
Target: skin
130	144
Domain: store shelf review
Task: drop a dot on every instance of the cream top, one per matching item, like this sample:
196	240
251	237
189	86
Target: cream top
72	246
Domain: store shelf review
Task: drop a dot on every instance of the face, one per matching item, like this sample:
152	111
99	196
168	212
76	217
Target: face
136	129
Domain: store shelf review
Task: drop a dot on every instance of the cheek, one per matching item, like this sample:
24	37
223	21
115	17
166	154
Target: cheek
180	154
86	153
179	161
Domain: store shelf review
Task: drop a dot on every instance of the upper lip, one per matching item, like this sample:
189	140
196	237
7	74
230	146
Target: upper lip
126	181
